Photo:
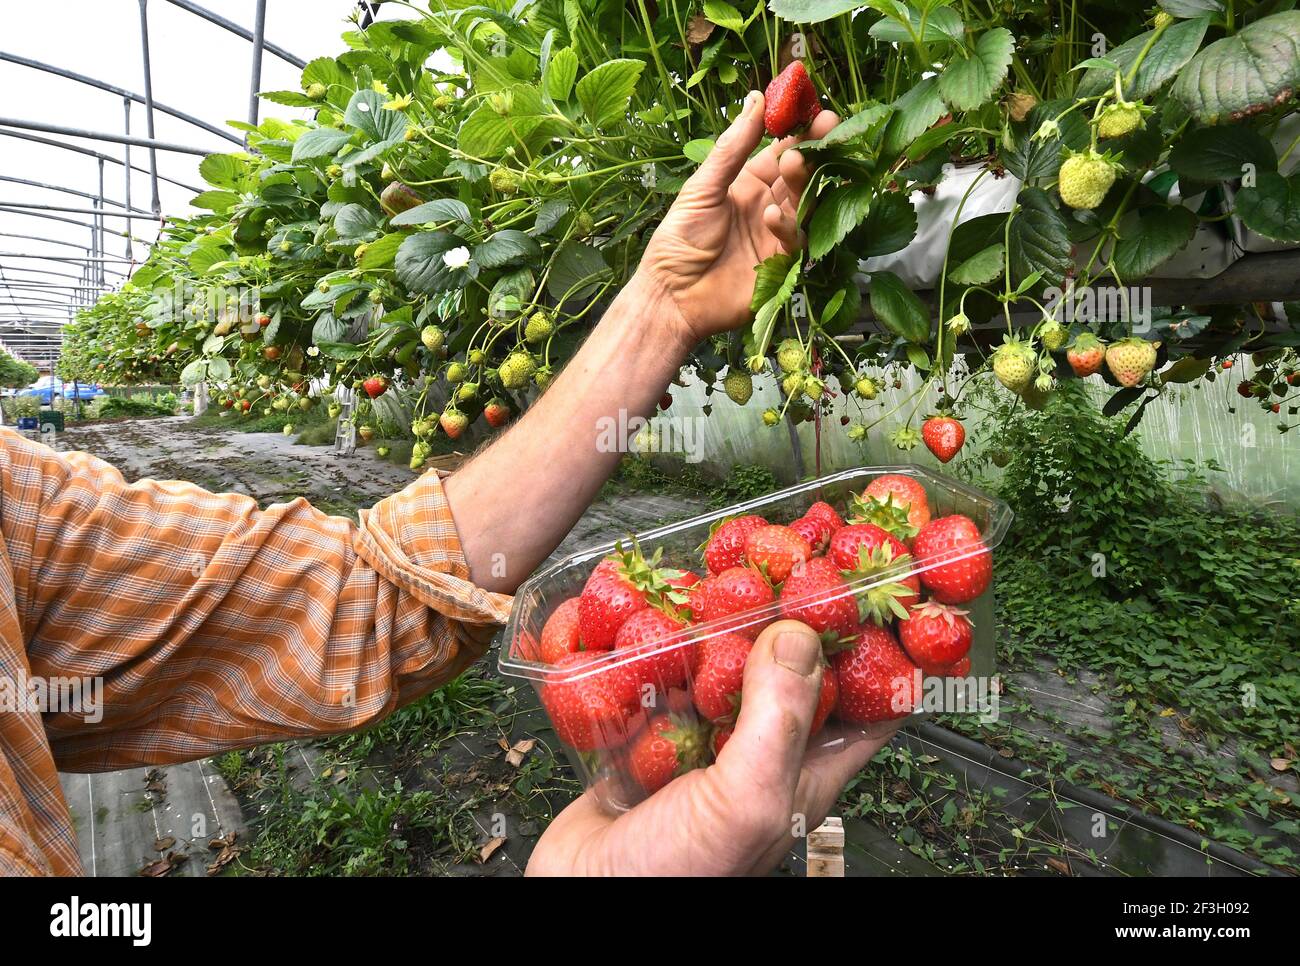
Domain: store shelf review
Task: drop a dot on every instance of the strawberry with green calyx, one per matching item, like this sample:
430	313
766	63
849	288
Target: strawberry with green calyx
719	675
1120	118
591	710
432	337
539	327
879	603
453	423
1014	363
877	681
725	546
943	436
865	388
317	91
734	591
1085	178
1052	334
817	595
771	417
790	101
496	412
908	494
901	520
1131	360
935	636
375	386
790	356
622	584
738	385
955	581
517	370
1086	354
671	745
775	551
560	633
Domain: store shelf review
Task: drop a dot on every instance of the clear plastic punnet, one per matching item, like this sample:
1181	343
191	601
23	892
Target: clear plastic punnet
637	647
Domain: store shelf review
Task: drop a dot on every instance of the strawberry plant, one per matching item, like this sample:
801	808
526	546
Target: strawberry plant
454	231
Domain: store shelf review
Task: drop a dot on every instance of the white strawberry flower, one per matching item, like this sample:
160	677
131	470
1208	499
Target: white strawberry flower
456	258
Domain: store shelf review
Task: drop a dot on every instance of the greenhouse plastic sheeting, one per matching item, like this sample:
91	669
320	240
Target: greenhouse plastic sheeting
1258	464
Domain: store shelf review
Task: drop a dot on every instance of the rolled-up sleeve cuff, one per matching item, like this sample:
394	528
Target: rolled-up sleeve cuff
410	539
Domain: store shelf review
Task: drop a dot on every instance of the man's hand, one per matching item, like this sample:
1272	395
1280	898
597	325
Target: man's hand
743	814
732	214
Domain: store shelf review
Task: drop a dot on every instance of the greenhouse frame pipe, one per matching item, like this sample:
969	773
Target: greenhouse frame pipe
72	221
39	238
119	91
37	271
89	152
234	28
90	196
259	42
145	216
77	132
148	103
68	258
126	156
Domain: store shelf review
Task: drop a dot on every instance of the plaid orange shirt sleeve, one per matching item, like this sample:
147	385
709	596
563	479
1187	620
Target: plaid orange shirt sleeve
214	624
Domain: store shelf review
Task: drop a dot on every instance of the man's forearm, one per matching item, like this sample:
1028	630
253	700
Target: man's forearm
514	502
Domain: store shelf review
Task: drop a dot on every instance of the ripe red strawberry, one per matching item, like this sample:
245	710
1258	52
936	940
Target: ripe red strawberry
621	585
671	745
827	698
816	530
853	546
959	668
957	581
665	667
892	502
943	436
719	674
790	101
735	591
726	544
1086	354
877	681
826	512
560	633
497	413
865	551
375	386
935	636
453	422
817	595
775	550
593	710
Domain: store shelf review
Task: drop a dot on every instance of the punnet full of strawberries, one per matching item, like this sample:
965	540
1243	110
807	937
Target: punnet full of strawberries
644	662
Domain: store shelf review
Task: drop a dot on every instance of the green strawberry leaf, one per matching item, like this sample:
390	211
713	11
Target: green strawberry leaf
1272	207
319	142
1165	60
604	93
838	212
1150	237
898	308
811	11
968	83
1221	154
914	113
507	247
982	267
1038	238
561	72
1243	73
420	266
440	209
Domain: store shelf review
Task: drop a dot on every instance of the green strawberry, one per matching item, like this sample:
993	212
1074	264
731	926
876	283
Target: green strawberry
517	370
739	386
539	327
432	337
1129	360
1014	363
790	356
1084	179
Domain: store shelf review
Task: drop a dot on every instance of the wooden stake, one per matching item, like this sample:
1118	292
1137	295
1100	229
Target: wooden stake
826	849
